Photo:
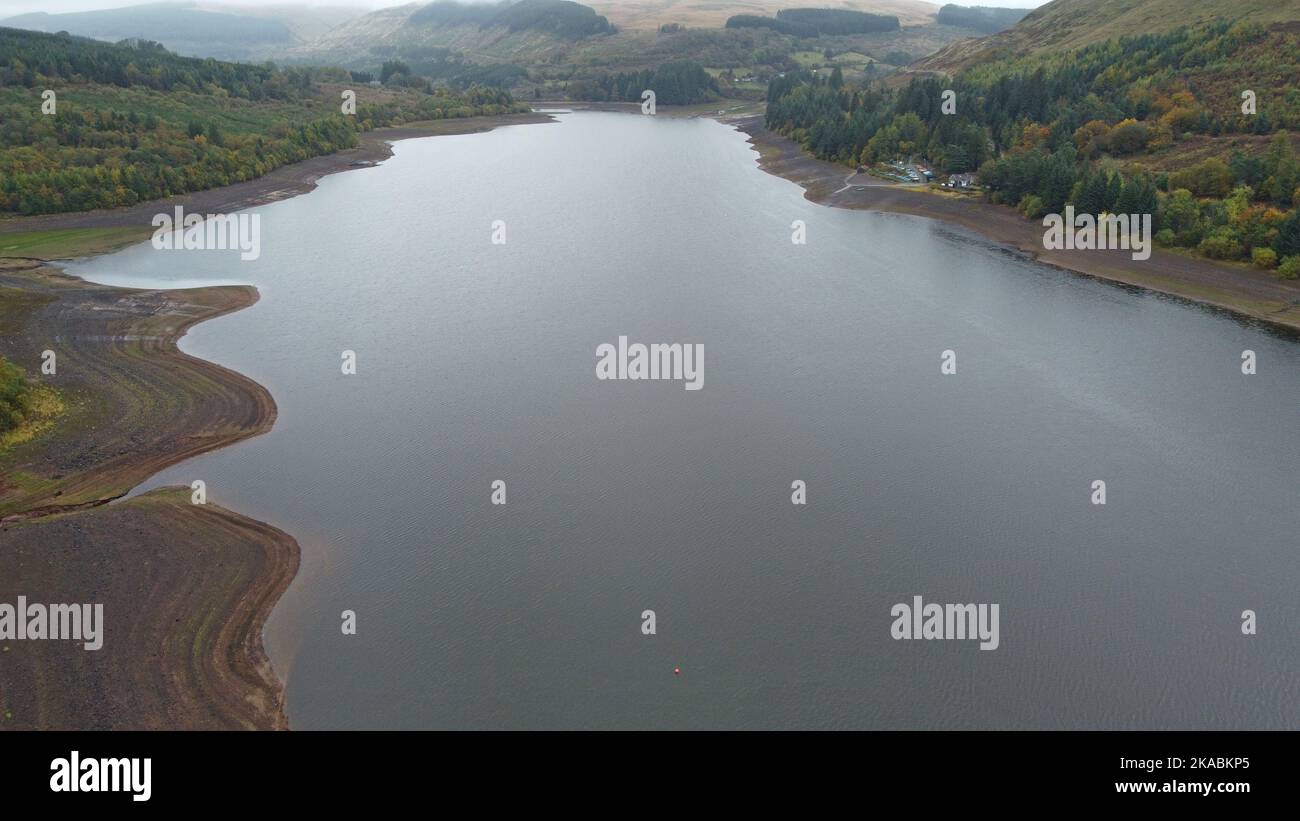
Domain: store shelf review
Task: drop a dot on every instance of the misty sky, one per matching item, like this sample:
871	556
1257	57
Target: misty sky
9	8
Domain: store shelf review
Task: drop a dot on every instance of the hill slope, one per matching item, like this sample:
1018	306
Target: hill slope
181	27
1150	124
651	14
539	47
1070	24
522	31
136	123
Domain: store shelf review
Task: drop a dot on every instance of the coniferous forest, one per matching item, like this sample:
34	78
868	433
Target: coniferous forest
682	82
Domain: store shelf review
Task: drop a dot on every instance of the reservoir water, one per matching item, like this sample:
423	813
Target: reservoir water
476	362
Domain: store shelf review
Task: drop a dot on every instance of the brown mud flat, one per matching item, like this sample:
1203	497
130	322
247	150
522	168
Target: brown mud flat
186	588
134	404
185	591
1255	294
282	183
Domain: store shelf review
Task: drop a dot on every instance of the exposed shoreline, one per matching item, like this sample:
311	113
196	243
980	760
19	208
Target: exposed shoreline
185	591
137	404
186	588
124	380
1250	293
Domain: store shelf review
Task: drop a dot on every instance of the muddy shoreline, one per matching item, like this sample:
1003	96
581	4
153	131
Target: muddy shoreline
134	402
1250	293
185	590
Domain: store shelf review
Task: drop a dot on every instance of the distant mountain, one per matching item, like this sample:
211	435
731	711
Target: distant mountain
538	47
816	22
305	22
561	18
524	30
182	27
1069	24
649	15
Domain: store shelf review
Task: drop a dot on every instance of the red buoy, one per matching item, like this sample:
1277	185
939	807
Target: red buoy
677	671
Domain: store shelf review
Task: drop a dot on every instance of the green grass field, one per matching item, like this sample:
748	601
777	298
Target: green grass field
69	243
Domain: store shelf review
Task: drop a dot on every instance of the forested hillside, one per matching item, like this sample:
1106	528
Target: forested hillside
134	123
516	31
1118	125
815	22
1062	25
562	18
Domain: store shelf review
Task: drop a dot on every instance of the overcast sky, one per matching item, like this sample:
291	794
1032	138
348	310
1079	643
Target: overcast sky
8	8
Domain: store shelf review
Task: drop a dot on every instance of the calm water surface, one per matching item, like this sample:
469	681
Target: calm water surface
477	362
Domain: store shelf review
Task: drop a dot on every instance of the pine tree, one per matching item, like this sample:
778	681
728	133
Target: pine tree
1288	236
1093	198
1127	202
1114	187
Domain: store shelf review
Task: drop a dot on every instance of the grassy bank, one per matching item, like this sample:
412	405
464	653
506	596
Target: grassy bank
69	243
